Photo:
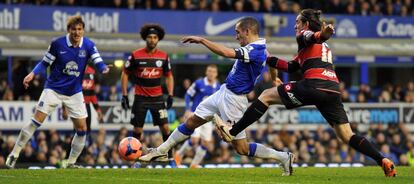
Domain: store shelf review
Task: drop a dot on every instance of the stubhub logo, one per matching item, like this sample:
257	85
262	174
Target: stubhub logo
105	23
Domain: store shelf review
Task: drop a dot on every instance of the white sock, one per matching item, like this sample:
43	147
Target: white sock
25	134
199	155
268	153
175	138
184	148
78	143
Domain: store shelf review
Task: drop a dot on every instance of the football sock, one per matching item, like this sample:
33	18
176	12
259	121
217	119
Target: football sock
261	151
185	147
78	143
362	145
25	134
201	151
164	138
178	135
136	135
252	114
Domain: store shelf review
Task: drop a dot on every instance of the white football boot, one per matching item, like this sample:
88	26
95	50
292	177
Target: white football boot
223	128
154	155
287	165
11	161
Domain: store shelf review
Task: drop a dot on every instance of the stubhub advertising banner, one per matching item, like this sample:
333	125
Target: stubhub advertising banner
104	20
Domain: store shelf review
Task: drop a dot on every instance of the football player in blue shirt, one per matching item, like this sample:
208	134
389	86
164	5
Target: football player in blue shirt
231	101
67	57
202	136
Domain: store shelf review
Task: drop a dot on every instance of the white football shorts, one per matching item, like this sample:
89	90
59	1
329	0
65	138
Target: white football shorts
204	132
49	100
229	106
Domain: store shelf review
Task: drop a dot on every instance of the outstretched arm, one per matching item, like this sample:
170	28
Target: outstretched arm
283	65
214	47
309	37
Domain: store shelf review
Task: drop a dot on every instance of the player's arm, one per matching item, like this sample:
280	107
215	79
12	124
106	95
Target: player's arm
96	106
189	94
309	37
129	66
124	83
283	65
48	58
188	97
213	46
98	61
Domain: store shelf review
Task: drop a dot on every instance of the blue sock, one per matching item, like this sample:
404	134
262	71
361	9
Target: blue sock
252	149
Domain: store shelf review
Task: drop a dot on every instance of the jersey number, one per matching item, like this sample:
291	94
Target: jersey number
326	53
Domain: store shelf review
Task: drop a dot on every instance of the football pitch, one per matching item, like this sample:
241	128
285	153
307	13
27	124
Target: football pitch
201	176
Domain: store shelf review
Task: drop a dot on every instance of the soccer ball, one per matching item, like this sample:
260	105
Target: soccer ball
130	148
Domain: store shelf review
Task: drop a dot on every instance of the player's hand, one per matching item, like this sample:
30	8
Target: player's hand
107	69
28	79
170	100
125	102
277	82
327	31
191	39
100	116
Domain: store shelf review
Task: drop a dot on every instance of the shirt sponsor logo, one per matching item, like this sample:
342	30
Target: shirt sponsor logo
71	68
148	73
329	74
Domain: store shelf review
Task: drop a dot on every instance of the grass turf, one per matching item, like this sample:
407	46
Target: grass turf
200	176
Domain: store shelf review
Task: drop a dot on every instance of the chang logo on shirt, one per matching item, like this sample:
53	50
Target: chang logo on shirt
71	68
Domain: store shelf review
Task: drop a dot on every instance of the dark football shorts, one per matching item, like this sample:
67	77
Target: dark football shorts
297	94
155	105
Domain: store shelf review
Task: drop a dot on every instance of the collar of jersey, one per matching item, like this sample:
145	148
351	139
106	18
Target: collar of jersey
260	41
207	84
70	44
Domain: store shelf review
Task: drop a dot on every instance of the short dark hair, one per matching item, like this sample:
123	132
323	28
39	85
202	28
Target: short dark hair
313	17
249	23
75	20
152	29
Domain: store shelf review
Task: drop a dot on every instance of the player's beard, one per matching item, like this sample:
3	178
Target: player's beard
151	46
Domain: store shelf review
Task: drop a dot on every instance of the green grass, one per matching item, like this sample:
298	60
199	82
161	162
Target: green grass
201	176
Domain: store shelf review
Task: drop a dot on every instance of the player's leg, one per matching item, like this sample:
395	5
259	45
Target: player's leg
206	137
138	114
333	111
260	151
78	114
187	145
47	103
256	110
203	113
88	125
180	134
253	113
25	134
364	146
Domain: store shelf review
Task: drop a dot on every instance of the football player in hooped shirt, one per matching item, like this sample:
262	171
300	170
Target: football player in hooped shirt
230	101
67	58
320	87
147	66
